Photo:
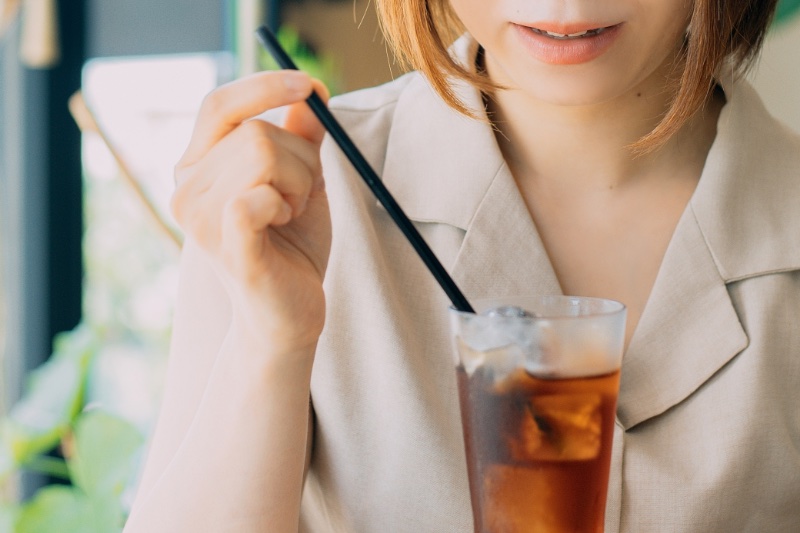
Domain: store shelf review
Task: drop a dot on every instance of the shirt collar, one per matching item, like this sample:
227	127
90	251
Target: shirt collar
440	165
746	202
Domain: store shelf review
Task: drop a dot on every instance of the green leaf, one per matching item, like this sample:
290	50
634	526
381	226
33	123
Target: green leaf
61	509
105	451
51	466
318	65
53	397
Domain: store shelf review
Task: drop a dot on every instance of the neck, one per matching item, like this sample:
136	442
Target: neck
586	146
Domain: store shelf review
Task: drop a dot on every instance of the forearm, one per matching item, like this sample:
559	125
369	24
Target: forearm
229	451
240	467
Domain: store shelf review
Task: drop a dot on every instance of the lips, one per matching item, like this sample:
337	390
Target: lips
567	44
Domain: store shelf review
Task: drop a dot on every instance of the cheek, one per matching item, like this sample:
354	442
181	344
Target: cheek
660	43
476	16
669	21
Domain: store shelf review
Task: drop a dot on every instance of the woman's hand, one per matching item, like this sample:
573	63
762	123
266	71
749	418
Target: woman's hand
252	195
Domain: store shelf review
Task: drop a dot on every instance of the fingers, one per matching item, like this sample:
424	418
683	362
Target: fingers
244	219
228	106
241	175
255	153
302	121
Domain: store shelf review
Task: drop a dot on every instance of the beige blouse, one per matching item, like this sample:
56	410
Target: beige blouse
707	435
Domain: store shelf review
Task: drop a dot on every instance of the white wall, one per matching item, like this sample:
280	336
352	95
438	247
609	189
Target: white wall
777	75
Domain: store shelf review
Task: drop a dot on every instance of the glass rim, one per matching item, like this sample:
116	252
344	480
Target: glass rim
615	307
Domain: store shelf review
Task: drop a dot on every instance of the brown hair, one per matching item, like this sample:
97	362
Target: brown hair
420	30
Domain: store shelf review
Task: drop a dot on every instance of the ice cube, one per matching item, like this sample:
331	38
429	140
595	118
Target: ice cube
500	344
559	427
484	335
504	332
508	311
498	363
543	351
502	363
470	358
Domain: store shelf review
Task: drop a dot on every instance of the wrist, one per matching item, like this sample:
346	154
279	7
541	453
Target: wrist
277	324
265	344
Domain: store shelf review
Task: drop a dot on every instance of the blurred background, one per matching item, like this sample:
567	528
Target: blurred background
97	99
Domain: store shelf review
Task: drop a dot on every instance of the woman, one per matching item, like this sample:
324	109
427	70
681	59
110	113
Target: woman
597	148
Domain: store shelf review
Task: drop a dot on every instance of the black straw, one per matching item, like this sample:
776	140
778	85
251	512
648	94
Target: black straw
336	131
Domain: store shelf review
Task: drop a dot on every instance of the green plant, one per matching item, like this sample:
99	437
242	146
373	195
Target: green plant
129	269
99	448
318	65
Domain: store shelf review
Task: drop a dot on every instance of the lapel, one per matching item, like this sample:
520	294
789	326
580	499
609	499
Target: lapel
502	254
688	330
749	207
445	168
740	223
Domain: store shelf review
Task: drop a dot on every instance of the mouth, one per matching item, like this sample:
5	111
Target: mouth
567	44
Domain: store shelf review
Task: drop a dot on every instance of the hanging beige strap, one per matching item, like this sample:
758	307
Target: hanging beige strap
87	123
8	12
39	47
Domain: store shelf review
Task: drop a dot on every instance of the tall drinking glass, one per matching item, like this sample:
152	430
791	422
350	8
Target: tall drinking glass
538	394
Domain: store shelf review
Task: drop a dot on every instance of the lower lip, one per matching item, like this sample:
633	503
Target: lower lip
567	51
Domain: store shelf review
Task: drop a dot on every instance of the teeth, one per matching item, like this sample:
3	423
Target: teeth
562	35
577	35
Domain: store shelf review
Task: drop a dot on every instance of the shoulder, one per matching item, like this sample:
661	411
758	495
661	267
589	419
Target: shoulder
752	135
371	109
748	199
363	110
373	98
368	117
759	129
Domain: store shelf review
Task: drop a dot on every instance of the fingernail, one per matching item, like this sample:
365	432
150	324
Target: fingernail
296	81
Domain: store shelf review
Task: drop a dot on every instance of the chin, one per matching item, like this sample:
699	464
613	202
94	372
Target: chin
573	90
577	85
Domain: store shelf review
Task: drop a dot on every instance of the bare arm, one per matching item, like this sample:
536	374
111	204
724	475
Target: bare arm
230	447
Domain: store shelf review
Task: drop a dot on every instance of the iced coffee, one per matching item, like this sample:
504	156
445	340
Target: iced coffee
538	382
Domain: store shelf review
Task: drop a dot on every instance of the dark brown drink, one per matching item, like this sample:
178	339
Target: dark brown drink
538	450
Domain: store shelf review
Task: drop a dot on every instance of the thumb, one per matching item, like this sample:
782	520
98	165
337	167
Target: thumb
301	121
